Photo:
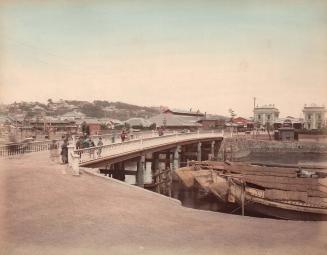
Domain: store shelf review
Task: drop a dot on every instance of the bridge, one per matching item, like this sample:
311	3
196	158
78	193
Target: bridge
162	152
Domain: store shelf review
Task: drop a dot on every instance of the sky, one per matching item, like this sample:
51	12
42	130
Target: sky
206	55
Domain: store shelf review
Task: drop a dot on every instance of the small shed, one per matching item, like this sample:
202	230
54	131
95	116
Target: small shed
286	134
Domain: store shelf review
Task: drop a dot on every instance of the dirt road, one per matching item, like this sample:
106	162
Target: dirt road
46	210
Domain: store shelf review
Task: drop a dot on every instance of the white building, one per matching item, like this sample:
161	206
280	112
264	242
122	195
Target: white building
314	116
74	115
265	114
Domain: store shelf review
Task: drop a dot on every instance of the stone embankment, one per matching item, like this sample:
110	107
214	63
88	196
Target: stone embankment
241	147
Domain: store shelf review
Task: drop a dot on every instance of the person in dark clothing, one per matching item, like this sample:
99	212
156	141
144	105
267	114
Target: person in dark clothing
123	135
86	143
91	144
64	152
79	143
113	136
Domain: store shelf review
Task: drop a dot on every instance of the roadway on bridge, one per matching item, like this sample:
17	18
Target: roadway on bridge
46	210
132	148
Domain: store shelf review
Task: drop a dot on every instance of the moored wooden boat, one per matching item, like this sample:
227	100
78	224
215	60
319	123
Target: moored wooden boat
257	201
280	192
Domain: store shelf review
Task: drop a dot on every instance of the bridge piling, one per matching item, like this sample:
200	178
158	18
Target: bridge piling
176	158
199	153
140	171
212	152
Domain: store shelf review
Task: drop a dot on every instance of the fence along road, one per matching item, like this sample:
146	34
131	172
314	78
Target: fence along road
90	153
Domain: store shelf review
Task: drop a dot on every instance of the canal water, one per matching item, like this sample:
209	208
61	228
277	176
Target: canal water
197	199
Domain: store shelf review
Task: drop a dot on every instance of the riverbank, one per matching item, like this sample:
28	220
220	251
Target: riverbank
46	210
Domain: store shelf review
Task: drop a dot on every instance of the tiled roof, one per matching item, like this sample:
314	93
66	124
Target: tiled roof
138	122
170	120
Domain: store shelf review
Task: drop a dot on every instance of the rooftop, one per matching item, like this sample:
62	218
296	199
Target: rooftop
171	120
183	112
267	106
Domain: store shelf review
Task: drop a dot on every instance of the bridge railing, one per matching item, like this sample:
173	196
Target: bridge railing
22	148
88	154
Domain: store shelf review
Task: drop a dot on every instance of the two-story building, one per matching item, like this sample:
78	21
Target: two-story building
266	114
314	116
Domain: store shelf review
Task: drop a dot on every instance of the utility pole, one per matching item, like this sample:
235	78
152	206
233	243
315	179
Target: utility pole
254	127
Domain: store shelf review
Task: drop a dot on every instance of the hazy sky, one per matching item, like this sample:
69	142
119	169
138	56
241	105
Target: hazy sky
207	55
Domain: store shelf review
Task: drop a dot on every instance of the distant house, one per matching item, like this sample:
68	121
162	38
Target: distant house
138	122
314	116
213	121
93	124
175	121
290	122
61	104
38	109
266	114
74	115
53	124
243	124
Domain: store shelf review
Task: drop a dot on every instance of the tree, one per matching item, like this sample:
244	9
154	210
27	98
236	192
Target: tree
153	126
92	110
85	128
232	114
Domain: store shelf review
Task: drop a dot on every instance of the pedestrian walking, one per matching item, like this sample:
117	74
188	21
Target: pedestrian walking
100	143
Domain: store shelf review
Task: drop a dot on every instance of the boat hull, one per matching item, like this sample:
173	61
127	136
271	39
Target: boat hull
282	213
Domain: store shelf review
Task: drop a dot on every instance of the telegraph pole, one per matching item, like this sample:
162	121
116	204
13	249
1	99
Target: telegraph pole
254	98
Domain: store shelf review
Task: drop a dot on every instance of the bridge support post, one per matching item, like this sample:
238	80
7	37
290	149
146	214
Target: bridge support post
176	158
212	153
140	171
155	162
70	154
167	160
199	154
75	164
74	141
217	147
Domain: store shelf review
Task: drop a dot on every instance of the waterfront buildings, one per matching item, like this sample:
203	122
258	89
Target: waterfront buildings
314	116
243	124
171	119
289	121
266	114
213	121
